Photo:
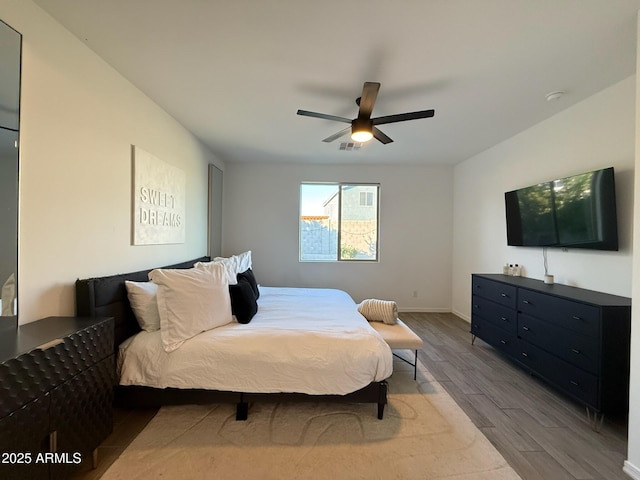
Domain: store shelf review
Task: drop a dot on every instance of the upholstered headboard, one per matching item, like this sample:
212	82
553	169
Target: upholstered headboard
107	297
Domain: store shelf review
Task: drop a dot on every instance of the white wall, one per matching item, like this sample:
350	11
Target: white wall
632	464
261	211
79	118
596	133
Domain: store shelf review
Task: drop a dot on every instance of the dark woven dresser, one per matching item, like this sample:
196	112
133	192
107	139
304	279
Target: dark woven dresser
56	394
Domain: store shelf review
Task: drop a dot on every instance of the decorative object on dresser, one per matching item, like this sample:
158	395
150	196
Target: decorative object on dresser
56	395
576	340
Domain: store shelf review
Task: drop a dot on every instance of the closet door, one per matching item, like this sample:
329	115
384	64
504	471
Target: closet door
215	211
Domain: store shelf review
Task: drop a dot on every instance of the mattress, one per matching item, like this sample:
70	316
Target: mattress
302	340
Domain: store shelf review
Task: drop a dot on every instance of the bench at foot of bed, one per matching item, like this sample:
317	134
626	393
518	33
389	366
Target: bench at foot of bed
400	337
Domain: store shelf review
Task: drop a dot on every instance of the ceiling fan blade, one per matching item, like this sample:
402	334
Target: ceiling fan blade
368	99
403	117
324	116
335	136
378	135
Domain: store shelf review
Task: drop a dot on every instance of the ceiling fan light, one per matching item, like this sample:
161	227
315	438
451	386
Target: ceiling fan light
361	130
361	136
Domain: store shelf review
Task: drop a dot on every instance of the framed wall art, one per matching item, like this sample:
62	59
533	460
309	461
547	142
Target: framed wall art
158	200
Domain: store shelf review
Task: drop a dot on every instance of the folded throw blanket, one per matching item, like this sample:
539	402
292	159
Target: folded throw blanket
376	310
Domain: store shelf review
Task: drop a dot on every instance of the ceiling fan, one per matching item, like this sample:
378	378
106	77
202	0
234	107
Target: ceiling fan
363	127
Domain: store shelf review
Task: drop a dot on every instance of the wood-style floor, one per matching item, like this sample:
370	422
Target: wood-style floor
541	433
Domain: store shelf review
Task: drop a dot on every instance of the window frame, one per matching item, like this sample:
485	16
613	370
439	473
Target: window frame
340	186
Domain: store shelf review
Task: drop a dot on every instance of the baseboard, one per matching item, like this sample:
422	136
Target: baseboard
461	315
433	310
631	470
424	310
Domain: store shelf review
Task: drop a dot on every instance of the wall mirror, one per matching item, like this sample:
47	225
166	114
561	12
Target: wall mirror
10	55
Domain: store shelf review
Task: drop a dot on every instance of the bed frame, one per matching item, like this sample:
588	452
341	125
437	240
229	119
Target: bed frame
107	297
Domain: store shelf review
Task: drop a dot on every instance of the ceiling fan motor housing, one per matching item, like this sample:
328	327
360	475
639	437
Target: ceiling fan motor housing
362	124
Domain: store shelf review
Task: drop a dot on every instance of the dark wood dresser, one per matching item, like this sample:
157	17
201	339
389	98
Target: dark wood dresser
576	340
56	394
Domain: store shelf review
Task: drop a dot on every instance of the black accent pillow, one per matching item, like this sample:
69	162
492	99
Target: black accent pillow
243	301
248	274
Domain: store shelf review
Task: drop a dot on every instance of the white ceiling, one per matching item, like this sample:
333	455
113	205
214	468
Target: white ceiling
234	72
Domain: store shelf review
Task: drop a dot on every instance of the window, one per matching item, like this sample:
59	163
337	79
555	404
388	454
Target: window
338	222
366	199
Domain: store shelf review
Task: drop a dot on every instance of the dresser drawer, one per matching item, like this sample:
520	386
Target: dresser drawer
575	316
501	316
494	336
579	350
23	379
495	291
581	385
86	347
25	431
81	412
30	375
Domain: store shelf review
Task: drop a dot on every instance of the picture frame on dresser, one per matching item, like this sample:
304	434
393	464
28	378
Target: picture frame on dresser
576	340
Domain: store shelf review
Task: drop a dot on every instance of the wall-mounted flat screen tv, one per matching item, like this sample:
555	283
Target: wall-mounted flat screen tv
572	212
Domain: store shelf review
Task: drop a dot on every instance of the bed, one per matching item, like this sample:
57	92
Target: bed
302	344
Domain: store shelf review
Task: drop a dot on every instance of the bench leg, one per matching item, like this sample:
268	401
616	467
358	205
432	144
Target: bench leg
414	364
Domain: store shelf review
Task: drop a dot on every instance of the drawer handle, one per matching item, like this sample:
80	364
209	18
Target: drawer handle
575	317
524	354
525	328
526	302
574	383
475	306
504	319
504	295
576	351
504	342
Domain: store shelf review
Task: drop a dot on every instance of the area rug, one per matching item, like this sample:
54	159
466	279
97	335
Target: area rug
424	435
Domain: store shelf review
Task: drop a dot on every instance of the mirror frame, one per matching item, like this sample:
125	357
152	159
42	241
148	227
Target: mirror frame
10	124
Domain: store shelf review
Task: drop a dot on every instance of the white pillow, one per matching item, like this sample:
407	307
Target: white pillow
233	265
143	300
244	261
191	301
230	267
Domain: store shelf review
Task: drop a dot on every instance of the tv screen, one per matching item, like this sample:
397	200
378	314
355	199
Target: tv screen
577	212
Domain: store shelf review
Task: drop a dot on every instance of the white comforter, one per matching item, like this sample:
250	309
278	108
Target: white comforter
304	340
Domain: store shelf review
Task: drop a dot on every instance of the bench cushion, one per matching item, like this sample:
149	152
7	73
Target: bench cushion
398	336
